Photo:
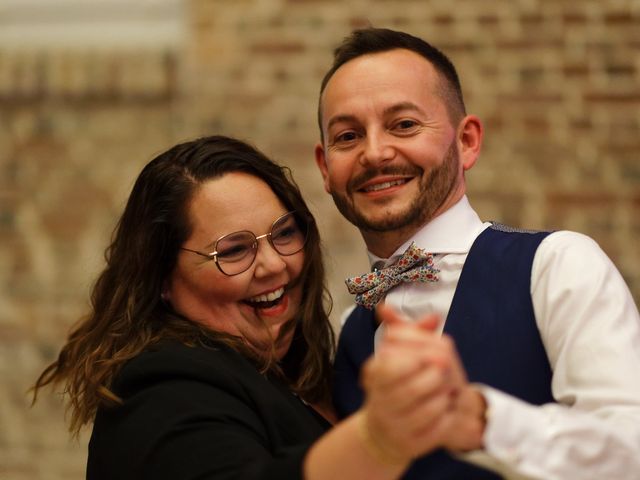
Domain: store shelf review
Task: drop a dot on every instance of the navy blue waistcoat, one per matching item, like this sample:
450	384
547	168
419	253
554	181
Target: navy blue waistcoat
493	324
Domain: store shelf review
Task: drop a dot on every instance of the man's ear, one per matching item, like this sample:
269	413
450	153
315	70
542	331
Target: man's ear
470	133
321	161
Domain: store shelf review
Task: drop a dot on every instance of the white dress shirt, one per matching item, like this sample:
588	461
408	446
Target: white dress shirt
590	328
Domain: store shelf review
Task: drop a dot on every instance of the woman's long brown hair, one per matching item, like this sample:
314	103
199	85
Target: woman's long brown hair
128	314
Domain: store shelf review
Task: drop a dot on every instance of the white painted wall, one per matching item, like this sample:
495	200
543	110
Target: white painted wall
91	23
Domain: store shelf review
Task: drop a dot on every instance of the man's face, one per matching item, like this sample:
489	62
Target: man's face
390	155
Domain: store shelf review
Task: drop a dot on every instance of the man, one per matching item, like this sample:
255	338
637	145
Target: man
544	323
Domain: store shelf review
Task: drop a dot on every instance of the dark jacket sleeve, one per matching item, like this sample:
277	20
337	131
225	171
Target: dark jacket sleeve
354	347
198	414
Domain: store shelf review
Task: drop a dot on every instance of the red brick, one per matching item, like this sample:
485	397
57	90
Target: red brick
625	98
488	19
529	43
574	18
575	69
359	22
531	98
619	19
532	19
443	19
536	124
582	199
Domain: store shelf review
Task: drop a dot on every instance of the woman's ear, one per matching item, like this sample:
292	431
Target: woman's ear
165	295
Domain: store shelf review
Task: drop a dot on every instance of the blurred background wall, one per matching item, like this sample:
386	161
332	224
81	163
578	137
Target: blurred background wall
90	90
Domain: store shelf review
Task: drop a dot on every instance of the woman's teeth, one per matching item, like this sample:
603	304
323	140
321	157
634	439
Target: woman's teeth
382	186
266	298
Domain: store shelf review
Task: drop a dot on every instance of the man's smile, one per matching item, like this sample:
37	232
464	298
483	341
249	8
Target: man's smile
375	187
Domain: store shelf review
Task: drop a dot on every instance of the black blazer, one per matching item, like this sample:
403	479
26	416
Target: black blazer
200	413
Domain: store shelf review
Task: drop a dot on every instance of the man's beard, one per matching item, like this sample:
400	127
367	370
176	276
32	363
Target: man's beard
433	191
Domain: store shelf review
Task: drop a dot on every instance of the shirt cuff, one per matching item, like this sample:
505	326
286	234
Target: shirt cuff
503	444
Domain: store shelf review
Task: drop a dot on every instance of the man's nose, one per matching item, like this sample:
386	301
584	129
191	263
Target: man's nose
377	149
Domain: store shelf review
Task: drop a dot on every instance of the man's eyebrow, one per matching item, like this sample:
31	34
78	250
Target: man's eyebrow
398	107
402	106
340	118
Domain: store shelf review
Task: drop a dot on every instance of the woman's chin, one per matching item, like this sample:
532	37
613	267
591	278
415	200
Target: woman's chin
283	344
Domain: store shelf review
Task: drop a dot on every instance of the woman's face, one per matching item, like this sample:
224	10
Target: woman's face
256	303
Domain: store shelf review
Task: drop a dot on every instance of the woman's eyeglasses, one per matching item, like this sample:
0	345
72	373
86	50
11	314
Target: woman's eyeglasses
235	252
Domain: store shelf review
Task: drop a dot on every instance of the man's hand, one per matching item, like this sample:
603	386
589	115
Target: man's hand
418	396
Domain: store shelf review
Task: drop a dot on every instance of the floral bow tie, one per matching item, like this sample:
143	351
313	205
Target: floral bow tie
415	265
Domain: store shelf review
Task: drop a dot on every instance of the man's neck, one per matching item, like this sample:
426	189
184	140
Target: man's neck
384	244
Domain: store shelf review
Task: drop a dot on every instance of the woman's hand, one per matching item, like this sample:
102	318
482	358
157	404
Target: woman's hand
418	396
417	399
408	385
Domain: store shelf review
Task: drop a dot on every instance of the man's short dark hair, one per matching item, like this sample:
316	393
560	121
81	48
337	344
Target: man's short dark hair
375	40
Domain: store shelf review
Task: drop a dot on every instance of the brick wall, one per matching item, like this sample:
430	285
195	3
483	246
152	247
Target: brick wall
557	84
76	127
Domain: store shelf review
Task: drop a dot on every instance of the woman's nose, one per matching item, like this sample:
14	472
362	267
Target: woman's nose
268	260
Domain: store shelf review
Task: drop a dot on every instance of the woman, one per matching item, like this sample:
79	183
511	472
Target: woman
207	350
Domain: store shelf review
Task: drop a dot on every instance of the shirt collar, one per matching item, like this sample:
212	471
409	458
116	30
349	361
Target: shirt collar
453	231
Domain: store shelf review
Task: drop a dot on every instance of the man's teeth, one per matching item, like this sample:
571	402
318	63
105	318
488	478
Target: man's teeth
382	186
268	297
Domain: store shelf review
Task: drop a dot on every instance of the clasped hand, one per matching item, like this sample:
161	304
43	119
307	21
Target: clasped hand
418	397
